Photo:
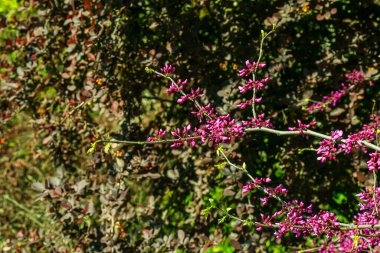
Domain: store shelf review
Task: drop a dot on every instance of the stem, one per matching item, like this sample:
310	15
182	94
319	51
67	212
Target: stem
230	215
253	100
248	130
259	187
71	112
257	64
375	180
343	226
305	132
261	46
198	105
150	142
374	192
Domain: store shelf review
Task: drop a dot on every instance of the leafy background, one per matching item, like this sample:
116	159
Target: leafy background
72	72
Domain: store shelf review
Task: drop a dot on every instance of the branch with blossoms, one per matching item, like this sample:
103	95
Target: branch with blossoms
298	217
293	216
355	79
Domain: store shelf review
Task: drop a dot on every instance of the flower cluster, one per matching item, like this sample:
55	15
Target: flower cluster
160	133
327	149
354	141
192	96
182	137
220	129
248	103
203	111
176	87
374	162
332	99
297	218
354	78
271	192
300	221
251	67
257	122
168	69
301	127
252	185
214	128
253	84
294	220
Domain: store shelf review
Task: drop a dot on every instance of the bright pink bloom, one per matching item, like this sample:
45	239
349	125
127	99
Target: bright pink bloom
168	69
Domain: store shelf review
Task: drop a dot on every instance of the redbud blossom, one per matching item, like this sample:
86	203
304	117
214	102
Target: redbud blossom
302	126
374	162
168	69
251	67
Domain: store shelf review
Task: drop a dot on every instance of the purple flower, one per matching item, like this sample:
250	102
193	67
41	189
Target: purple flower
168	69
374	162
301	127
259	85
355	77
250	68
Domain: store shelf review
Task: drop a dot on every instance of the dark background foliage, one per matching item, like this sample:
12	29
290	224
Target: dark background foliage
72	72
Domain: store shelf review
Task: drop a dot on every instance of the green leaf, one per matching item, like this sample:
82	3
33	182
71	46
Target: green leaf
93	147
340	198
221	220
107	147
247	223
219	150
220	165
207	210
203	13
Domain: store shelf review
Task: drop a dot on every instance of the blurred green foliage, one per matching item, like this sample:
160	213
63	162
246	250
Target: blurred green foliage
7	6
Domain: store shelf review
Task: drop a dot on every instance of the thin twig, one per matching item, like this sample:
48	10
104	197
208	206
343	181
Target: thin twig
305	132
71	112
255	70
259	187
150	142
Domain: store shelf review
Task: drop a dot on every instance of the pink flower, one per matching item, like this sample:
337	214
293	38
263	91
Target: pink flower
355	77
245	104
168	69
301	127
160	133
259	85
250	68
336	135
374	162
258	122
327	148
176	87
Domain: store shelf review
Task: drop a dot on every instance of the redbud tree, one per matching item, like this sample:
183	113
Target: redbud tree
220	130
